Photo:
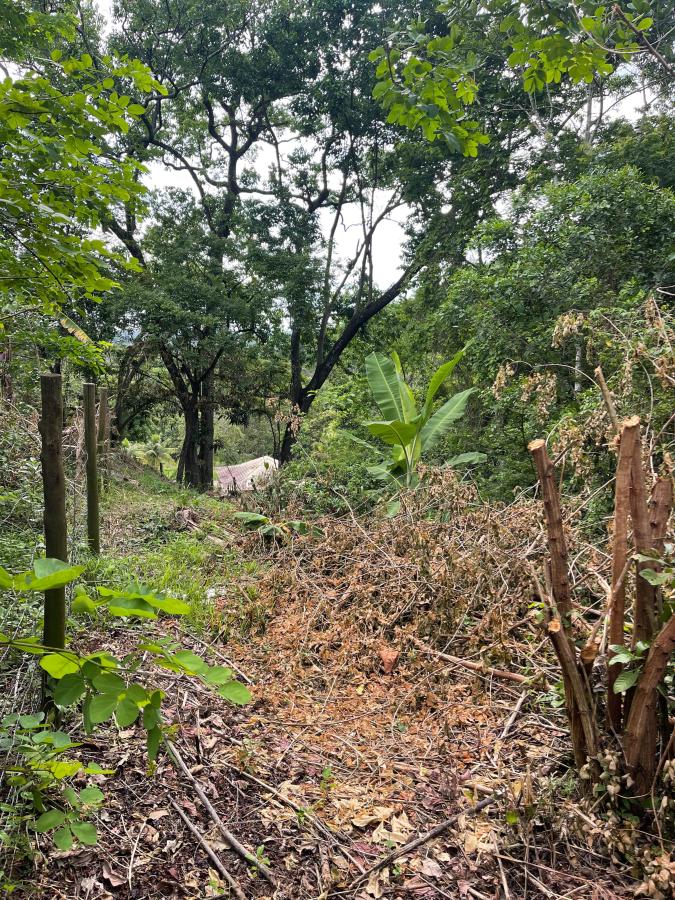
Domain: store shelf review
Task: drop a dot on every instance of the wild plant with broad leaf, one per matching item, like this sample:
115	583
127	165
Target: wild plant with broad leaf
409	430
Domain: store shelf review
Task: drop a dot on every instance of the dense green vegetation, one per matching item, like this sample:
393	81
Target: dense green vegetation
388	244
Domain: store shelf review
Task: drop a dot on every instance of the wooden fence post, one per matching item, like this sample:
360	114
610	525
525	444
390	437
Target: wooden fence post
54	489
90	438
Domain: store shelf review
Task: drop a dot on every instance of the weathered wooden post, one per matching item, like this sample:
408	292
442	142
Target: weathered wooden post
90	437
54	488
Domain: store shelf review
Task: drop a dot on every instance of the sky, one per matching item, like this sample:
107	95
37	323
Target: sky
389	236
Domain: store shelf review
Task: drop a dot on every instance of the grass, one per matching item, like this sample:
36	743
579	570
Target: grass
144	540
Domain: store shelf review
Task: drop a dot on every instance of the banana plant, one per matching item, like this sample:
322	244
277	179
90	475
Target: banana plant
411	431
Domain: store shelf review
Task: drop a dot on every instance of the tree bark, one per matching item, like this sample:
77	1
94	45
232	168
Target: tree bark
639	748
629	436
54	490
90	438
577	696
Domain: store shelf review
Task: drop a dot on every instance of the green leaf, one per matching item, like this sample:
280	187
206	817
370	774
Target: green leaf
154	738
63	838
151	718
109	683
394	432
235	692
190	661
6	580
464	459
656	578
626	680
92	795
69	690
48	574
127	606
101	708
85	832
441	375
439	424
251	518
48	820
384	383
393	508
218	675
126	713
83	604
58	664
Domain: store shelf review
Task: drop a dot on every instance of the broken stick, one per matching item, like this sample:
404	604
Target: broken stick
230	879
422	839
234	844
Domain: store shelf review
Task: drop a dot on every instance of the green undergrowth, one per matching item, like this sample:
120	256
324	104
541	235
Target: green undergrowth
175	540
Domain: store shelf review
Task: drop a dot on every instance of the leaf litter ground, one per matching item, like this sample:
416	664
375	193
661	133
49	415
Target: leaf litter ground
361	736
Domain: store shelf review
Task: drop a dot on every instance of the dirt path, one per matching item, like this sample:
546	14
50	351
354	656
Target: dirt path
357	742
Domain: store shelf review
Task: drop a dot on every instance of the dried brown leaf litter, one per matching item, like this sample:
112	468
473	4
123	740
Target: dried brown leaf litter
387	752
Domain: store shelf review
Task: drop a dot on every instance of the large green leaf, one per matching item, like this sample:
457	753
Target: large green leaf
384	383
69	689
47	574
235	692
464	459
58	664
439	424
441	374
101	707
394	432
48	820
405	393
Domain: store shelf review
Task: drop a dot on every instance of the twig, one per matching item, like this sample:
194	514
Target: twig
229	837
130	872
422	839
643	40
509	724
300	810
233	883
609	401
475	666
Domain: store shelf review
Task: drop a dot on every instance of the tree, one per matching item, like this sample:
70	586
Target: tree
297	84
59	114
195	319
431	73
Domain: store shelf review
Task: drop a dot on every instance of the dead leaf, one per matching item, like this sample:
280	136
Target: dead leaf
431	868
158	814
112	877
389	659
376	881
377	814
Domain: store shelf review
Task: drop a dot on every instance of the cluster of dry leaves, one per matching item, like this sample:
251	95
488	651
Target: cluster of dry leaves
365	731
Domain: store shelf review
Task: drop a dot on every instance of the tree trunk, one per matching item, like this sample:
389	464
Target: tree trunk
206	434
629	437
638	744
191	472
577	695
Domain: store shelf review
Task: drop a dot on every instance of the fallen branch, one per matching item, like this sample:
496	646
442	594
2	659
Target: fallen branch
509	725
475	666
210	852
422	839
234	844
